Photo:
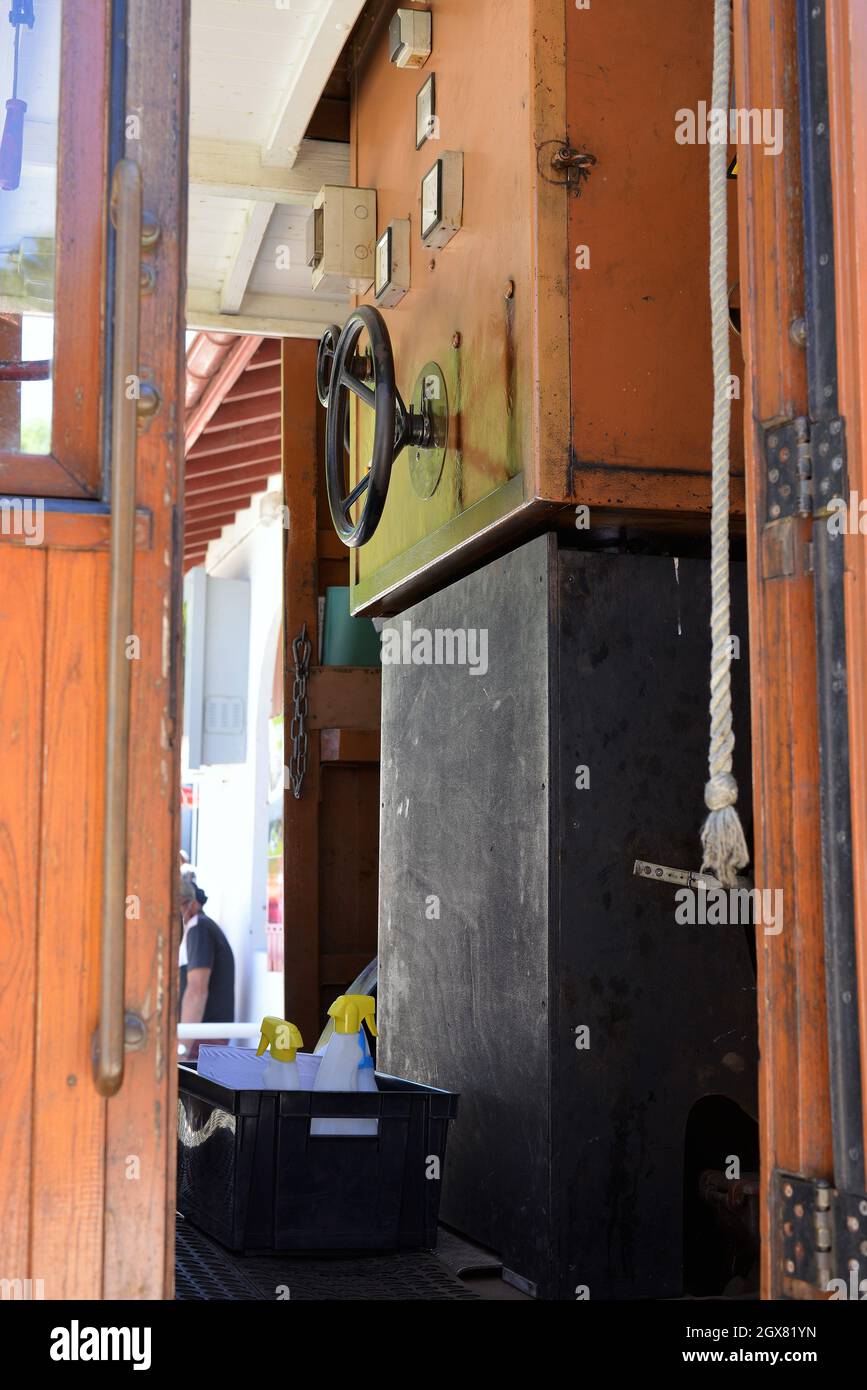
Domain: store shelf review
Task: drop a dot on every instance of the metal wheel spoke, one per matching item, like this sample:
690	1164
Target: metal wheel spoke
360	389
349	502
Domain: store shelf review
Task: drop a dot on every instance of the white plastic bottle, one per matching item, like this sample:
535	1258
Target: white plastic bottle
283	1040
346	1063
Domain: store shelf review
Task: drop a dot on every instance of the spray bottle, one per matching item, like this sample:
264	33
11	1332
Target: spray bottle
281	1069
346	1063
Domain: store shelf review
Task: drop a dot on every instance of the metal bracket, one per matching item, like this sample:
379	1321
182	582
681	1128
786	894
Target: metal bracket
805	463
663	874
559	162
823	1232
830	472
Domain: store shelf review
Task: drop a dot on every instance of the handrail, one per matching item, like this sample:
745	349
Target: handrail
126	198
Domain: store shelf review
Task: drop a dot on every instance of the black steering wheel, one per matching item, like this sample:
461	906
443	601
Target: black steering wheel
338	374
325	361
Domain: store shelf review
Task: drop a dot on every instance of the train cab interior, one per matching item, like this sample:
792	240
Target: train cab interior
430	442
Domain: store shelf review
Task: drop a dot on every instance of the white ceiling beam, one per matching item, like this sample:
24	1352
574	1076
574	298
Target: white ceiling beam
327	35
235	283
234	169
273	315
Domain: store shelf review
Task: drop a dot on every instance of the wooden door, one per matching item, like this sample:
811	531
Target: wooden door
803	239
87	1179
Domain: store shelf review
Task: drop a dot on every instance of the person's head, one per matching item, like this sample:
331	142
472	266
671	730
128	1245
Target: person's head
187	896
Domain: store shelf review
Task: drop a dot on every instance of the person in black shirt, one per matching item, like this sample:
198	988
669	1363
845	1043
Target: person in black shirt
207	966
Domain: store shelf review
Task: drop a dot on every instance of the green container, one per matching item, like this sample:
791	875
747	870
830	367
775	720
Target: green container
347	641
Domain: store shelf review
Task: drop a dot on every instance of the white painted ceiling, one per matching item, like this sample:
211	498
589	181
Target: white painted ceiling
258	68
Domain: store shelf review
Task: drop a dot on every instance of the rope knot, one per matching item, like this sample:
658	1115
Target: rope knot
721	791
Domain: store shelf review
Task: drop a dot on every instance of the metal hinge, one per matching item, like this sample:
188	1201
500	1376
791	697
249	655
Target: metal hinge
805	466
822	1235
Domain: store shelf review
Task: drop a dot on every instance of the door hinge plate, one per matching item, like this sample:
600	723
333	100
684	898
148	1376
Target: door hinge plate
805	466
822	1233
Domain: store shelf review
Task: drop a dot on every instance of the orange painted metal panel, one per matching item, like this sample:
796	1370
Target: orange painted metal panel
565	385
639	311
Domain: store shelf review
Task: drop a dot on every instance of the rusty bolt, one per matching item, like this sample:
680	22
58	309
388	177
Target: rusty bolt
798	332
431	265
509	289
456	340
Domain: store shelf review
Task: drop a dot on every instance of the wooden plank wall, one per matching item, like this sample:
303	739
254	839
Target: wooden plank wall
331	833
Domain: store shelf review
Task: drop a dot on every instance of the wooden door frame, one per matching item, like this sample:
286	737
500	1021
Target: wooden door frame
87	1185
73	468
803	1107
847	76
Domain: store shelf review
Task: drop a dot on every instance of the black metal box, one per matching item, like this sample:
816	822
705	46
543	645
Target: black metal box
516	795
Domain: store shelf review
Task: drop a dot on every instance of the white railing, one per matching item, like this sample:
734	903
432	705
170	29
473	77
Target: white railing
218	1030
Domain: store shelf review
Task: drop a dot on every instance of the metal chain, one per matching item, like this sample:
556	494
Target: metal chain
297	729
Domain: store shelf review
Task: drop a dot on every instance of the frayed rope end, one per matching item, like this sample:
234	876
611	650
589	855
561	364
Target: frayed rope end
724	848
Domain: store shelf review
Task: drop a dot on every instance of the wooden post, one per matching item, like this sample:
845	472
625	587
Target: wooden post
300	605
794	1108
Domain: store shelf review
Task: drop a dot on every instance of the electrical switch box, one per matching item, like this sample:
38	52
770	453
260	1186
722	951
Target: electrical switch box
341	236
409	38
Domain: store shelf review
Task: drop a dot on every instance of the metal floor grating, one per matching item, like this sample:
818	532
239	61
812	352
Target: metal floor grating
205	1271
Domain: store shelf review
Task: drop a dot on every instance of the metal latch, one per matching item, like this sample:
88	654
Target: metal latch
822	1235
643	869
805	466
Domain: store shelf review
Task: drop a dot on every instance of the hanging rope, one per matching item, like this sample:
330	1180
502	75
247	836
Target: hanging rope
722	838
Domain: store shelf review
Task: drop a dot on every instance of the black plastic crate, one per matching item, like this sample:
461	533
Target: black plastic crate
251	1175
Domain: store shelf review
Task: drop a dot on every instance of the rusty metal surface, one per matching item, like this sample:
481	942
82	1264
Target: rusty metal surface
590	385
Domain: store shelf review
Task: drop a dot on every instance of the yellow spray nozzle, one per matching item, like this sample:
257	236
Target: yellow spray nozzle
283	1039
350	1010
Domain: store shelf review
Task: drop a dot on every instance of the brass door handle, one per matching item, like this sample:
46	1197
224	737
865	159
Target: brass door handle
126	199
